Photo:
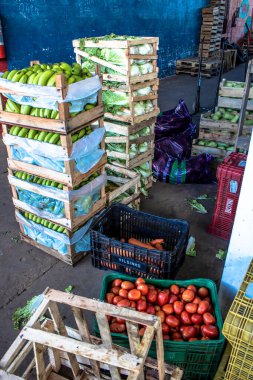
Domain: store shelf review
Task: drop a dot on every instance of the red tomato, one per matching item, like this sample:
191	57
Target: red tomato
115	290
166	291
124	303
116	282
150	310
162	298
114	320
209	319
161	314
188	295
203	292
128	285
197	319
192	339
133	305
152	296
178	307
139	281
197	327
181	290
109	297
197	300
123	293
141	305
172	321
143	298
166	337
168	308
157	307
109	318
176	335
203	307
210	331
151	286
134	295
192	287
191	307
186	318
120	320
174	329
174	289
142	331
117	327
173	298
208	299
189	332
116	299
143	288
165	329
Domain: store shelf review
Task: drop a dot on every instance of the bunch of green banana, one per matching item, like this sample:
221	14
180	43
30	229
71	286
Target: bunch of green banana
44	222
86	181
35	179
45	75
48	137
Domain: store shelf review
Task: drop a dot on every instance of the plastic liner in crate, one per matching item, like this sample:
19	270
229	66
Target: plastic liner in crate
119	221
199	359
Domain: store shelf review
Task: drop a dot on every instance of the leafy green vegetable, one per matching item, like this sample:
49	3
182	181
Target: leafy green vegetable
221	254
21	316
69	289
197	206
191	248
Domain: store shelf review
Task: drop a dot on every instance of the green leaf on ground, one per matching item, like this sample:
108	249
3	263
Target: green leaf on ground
69	289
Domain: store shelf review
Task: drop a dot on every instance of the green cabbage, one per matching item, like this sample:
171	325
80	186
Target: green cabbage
143	91
135	71
116	56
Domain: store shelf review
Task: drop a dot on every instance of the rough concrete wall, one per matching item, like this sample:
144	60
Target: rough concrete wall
236	33
44	29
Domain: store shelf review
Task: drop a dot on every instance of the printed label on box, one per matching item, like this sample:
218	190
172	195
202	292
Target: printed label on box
233	186
229	205
129	262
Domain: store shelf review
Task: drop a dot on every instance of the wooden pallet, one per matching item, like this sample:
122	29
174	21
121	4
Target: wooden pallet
65	124
85	355
69	220
194	73
194	63
123	73
129	183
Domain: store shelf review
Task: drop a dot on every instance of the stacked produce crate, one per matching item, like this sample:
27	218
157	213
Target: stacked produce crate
130	85
211	29
56	159
218	131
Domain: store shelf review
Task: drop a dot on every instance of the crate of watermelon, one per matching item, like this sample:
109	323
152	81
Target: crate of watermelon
190	314
137	243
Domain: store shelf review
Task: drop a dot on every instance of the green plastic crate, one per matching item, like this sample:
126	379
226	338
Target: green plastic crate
199	359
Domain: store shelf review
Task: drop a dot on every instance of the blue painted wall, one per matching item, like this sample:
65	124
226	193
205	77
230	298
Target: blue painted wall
44	29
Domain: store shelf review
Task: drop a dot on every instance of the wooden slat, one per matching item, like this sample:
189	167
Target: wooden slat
85	335
105	334
63	343
160	349
39	361
8	376
134	341
60	327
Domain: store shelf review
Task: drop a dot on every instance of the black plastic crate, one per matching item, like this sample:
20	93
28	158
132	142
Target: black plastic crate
119	221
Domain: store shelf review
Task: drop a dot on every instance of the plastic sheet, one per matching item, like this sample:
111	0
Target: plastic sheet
79	94
85	152
48	202
56	240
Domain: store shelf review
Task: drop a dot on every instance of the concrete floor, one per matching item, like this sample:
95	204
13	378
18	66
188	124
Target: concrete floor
26	271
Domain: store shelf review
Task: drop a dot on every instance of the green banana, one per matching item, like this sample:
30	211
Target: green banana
89	107
74	137
43	183
39	181
11	74
47	113
35	67
36	136
57	115
48	182
33	112
29	73
48	137
23	79
60	186
12	130
31	78
81	133
43	66
60	229
42	136
34	218
46	223
54	139
50	225
36	79
32	133
26	215
55	227
17	76
54	184
45	77
37	112
54	114
67	74
25	110
71	79
78	78
52	80
23	176
5	75
38	219
23	132
12	106
65	66
42	112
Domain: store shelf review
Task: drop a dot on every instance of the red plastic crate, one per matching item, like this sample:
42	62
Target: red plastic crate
229	174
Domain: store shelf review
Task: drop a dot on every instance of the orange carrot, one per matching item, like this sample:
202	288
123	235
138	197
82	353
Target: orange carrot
156	241
139	243
159	247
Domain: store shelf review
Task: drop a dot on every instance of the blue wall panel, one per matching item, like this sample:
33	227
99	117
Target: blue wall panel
44	29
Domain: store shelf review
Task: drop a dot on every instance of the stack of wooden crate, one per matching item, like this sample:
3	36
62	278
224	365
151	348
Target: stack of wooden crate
79	193
211	29
128	129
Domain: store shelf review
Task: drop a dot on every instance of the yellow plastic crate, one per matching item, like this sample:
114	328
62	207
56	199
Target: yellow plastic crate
221	371
240	365
238	326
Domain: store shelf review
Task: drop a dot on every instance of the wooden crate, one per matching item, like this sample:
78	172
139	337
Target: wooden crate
138	160
131	88
132	119
215	152
231	92
69	220
85	355
65	124
130	180
123	73
125	129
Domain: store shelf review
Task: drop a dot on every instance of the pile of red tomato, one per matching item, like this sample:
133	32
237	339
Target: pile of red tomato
186	313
